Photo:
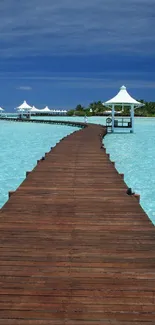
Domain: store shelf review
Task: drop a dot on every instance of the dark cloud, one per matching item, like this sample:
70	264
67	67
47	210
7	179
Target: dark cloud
36	27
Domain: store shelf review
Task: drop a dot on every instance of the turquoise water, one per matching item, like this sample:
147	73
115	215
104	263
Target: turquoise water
94	119
21	145
134	155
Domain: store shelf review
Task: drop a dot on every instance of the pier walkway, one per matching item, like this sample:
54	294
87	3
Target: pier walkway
75	249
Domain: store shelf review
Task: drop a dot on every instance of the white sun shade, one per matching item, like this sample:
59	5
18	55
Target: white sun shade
24	106
1	109
34	109
46	109
123	97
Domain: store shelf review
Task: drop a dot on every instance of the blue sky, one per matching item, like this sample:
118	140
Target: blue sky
64	52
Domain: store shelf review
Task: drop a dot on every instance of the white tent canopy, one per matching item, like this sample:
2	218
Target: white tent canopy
24	106
34	109
123	98
46	109
1	109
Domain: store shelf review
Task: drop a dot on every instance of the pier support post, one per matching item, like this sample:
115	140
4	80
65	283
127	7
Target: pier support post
132	118
38	161
113	116
137	196
10	193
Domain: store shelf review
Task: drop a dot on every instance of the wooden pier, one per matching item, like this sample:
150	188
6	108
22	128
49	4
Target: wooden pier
75	249
43	121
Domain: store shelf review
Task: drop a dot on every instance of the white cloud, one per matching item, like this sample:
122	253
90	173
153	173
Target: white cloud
24	88
36	27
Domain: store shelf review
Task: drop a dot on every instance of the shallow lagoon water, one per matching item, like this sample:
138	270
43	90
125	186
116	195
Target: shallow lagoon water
22	144
134	154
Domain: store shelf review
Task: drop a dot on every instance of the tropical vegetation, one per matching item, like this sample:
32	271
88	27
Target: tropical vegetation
97	108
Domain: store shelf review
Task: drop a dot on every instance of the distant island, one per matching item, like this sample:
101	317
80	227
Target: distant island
97	109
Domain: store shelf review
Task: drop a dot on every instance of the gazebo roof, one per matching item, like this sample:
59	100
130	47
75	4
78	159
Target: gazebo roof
24	106
123	97
46	109
34	109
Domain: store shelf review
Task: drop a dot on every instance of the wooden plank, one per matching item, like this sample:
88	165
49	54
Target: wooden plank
75	249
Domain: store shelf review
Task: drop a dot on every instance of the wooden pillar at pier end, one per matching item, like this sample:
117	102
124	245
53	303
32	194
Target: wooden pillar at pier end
137	196
10	193
113	116
132	118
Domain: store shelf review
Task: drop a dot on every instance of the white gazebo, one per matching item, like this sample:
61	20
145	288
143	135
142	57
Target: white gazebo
45	110
123	99
58	111
1	110
34	109
24	106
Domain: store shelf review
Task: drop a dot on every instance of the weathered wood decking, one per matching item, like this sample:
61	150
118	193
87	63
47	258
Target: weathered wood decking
75	248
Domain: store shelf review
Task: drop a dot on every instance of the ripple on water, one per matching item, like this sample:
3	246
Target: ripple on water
134	155
22	144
